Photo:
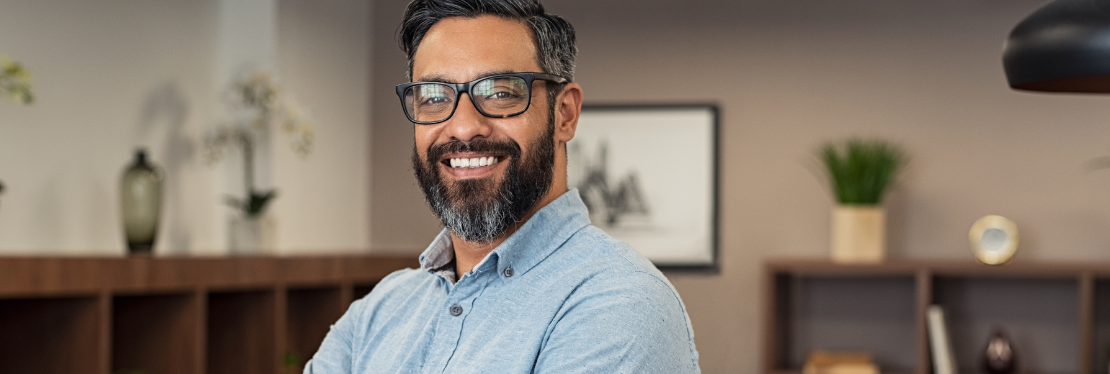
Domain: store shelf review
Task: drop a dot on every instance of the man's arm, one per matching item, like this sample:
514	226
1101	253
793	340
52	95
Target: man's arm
334	355
628	324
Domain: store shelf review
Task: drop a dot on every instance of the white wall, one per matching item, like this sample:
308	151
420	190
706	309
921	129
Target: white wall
324	52
111	75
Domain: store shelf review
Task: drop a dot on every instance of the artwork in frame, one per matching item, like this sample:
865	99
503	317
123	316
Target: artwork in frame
648	174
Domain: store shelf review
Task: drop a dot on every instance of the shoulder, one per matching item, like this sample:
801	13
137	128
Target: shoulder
397	284
621	301
612	278
609	269
598	252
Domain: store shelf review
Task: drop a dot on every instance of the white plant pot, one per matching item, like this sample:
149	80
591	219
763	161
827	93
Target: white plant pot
252	236
858	234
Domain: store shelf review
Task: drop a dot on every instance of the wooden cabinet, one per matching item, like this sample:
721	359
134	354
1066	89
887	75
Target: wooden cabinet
1057	315
175	315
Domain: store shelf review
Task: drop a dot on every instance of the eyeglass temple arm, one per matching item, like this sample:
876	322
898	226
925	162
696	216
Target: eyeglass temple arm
551	77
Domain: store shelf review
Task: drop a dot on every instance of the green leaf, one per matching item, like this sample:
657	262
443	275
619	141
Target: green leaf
859	170
292	360
254	205
258	201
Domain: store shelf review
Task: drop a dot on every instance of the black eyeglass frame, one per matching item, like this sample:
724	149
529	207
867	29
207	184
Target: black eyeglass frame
461	88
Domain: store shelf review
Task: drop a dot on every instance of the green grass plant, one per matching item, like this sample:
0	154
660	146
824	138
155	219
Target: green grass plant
861	170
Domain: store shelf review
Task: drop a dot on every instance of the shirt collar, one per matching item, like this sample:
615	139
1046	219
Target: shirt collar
545	232
439	255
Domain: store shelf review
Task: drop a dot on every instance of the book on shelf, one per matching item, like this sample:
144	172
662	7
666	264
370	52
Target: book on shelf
940	344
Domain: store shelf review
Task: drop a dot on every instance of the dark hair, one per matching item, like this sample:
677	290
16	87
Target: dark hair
553	36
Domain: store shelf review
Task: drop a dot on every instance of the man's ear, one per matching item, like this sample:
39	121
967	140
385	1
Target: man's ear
568	107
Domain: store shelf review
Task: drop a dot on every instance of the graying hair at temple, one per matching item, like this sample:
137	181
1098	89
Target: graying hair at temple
556	47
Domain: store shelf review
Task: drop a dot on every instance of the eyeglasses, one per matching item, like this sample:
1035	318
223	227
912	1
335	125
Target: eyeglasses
495	96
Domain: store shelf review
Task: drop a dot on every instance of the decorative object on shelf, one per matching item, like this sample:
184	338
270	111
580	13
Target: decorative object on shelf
939	343
257	104
141	204
999	356
860	171
821	362
1061	47
994	239
292	363
252	235
648	174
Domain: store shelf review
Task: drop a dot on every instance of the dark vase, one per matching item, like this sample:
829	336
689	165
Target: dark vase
141	202
999	356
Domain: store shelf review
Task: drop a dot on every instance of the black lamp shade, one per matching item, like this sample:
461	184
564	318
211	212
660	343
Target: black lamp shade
1062	47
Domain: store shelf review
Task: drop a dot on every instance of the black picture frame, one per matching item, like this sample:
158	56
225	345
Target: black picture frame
637	166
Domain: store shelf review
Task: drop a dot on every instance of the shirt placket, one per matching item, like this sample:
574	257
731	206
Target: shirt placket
452	313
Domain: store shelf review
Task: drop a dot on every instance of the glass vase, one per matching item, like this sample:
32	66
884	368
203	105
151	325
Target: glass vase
141	203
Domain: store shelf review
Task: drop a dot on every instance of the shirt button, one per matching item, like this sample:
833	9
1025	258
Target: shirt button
456	310
508	272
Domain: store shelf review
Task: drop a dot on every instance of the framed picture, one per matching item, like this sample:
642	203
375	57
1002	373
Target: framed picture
648	174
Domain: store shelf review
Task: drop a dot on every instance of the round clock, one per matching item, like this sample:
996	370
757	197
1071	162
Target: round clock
994	239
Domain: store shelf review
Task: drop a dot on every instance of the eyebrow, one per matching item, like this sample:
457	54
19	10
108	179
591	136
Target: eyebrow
444	79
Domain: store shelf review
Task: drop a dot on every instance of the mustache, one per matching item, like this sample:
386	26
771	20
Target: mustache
508	147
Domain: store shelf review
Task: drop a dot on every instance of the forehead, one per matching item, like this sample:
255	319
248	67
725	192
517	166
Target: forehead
460	49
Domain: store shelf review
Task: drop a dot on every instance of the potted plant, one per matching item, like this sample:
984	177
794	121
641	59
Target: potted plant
257	104
860	171
15	82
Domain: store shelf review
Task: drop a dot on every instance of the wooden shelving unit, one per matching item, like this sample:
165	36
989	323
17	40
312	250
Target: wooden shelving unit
1057	314
175	315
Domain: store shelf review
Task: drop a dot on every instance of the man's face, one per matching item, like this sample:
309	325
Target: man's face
516	153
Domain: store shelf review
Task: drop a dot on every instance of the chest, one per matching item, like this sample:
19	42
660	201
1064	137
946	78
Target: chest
480	325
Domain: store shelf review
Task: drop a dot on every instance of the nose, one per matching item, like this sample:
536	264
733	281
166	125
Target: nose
467	123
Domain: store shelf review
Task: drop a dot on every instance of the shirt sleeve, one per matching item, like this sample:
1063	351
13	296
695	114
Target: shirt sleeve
632	324
334	355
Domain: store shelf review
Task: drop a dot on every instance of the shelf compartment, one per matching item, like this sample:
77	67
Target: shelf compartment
1040	316
310	314
1101	349
155	334
240	331
873	314
50	335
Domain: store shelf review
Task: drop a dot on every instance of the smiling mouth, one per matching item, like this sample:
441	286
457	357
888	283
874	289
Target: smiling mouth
472	162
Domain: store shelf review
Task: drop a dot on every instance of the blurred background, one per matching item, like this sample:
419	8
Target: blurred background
788	75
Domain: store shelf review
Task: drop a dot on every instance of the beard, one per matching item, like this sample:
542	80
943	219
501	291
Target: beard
479	209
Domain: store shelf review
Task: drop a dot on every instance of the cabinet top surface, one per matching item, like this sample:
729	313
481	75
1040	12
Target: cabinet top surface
954	267
84	275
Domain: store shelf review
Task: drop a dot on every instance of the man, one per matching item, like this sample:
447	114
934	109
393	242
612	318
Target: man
518	281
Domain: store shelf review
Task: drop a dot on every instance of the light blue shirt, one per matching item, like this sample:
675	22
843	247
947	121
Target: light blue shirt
557	296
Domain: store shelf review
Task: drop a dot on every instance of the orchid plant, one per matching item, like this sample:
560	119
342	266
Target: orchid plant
15	82
257	104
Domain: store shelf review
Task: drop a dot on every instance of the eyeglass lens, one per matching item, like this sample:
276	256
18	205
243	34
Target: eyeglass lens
497	96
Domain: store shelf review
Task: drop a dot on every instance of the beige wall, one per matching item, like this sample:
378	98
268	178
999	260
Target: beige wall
111	75
789	75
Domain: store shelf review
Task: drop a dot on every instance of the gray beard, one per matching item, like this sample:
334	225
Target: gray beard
480	210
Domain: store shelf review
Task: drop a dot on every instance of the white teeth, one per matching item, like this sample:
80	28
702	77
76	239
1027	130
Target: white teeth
473	162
